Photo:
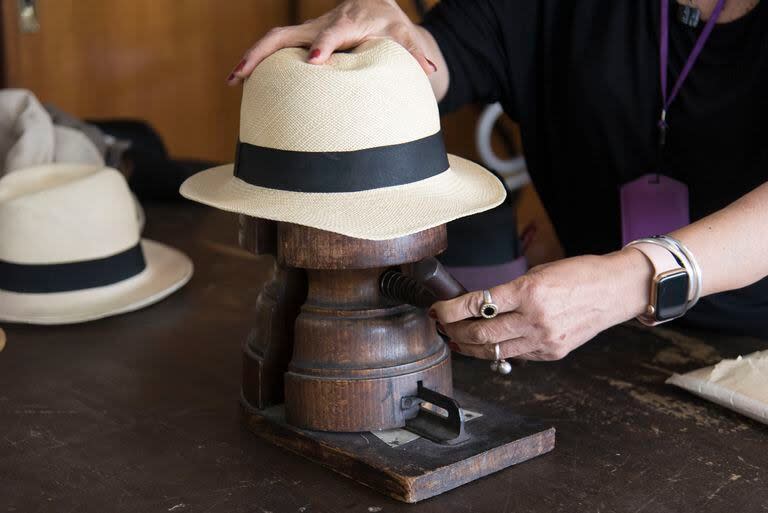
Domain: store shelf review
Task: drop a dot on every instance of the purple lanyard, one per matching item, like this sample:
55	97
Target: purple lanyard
664	59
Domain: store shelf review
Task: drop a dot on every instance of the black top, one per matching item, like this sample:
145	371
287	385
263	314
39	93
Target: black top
582	79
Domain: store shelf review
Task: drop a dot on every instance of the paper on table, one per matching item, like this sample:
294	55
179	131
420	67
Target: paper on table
740	385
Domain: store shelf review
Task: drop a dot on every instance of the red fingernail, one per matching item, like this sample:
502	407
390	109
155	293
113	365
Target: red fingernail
434	68
432	314
315	54
237	68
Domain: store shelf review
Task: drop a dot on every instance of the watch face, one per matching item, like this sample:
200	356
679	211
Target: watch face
671	295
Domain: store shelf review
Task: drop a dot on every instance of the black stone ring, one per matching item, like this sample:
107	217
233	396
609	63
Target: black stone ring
488	309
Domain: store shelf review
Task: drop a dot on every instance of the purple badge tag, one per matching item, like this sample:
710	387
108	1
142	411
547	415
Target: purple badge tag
653	204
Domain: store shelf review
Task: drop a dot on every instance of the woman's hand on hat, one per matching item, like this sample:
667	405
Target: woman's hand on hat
347	26
551	310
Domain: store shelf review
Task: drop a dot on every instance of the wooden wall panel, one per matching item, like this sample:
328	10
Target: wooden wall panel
160	60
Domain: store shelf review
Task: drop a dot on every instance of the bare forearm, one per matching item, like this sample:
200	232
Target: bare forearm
731	245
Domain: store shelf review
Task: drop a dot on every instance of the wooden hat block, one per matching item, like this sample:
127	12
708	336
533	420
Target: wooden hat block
330	356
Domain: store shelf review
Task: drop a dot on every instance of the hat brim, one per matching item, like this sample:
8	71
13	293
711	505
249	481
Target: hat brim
379	214
167	270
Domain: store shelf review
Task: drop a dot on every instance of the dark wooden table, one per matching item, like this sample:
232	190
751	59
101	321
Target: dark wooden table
139	413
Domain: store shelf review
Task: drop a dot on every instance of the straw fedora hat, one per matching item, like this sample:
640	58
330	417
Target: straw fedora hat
352	146
70	249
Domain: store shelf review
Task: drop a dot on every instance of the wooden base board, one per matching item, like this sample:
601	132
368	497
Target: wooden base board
419	469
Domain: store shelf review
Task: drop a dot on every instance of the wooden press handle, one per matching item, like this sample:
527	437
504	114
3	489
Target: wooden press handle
421	284
431	274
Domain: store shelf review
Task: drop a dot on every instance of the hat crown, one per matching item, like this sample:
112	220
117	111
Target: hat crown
375	95
64	213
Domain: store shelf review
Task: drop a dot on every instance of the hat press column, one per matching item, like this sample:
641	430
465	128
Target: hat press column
356	353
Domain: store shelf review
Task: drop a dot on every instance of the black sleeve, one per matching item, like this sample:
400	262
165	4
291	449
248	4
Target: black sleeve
488	45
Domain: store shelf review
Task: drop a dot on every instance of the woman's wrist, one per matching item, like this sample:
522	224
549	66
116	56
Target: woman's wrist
633	273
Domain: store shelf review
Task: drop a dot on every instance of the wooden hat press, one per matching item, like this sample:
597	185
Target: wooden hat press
331	354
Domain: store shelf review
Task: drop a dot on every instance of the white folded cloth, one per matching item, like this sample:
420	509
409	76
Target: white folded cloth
28	136
740	385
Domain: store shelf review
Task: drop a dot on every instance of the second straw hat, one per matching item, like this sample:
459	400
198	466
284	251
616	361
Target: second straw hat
71	251
352	146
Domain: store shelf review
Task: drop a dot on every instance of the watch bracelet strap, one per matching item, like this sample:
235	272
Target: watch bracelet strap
690	264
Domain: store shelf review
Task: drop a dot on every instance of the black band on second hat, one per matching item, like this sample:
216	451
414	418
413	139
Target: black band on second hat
68	277
341	171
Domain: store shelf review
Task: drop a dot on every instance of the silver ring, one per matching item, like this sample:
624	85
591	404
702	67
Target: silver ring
488	309
498	365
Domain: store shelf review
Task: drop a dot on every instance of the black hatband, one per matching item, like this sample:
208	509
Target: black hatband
342	171
67	277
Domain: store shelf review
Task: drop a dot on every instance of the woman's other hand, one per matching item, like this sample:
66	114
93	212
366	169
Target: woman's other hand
552	309
348	25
